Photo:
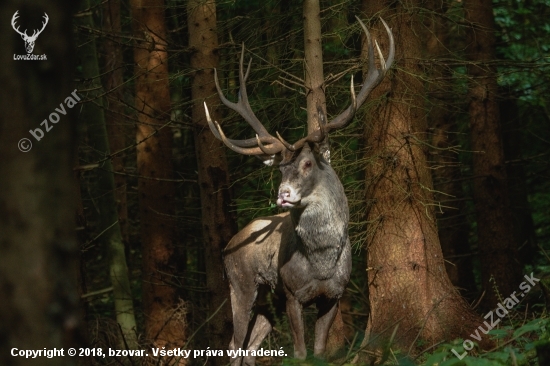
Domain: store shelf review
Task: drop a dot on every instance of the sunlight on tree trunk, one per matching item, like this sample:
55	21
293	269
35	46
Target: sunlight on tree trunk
501	270
92	115
218	222
164	315
408	285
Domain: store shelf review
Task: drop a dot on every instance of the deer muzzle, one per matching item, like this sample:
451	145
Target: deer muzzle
288	197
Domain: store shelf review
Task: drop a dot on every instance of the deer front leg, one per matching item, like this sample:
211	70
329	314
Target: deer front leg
327	311
294	312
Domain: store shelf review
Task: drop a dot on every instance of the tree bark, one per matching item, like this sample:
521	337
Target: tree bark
313	52
408	284
111	238
218	224
501	270
38	247
452	222
115	118
164	320
315	98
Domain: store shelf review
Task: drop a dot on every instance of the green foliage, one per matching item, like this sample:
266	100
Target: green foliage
524	30
516	348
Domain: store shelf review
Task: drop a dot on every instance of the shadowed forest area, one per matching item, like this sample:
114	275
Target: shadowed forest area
114	221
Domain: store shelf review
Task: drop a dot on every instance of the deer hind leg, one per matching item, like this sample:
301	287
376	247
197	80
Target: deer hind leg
261	328
294	312
327	309
241	305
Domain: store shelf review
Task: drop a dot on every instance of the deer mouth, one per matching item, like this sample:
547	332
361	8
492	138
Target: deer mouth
287	204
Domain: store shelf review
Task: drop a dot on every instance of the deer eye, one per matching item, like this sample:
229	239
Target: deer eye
307	164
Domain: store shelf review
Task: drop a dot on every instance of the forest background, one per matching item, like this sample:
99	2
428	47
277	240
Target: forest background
113	224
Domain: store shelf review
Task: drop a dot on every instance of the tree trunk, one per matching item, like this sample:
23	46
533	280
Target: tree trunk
315	98
452	222
164	318
501	269
517	188
117	125
313	50
92	115
408	285
218	224
38	247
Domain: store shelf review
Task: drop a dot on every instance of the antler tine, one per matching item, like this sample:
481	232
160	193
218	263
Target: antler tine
252	146
210	123
286	144
391	55
243	79
242	106
272	149
315	136
251	142
373	78
245	147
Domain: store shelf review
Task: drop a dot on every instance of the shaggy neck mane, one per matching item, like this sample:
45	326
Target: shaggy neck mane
322	226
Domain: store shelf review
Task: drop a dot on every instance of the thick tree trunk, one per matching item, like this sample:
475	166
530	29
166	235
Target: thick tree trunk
117	125
38	247
501	269
408	284
218	224
164	321
92	114
315	97
452	222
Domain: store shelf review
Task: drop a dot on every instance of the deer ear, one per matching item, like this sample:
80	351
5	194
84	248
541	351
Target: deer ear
326	154
323	146
323	149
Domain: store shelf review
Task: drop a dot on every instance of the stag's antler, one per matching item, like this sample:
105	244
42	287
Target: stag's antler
275	145
373	78
253	146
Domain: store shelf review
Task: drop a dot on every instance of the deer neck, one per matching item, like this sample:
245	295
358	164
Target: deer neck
322	226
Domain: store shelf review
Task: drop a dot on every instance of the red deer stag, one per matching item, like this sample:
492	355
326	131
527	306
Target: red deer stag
304	253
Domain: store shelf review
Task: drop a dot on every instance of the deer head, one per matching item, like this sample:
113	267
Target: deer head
29	40
274	149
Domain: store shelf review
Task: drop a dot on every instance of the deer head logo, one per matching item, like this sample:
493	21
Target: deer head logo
29	40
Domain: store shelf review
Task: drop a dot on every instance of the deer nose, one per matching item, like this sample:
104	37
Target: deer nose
284	193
